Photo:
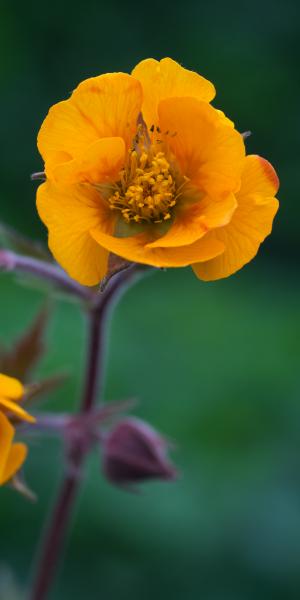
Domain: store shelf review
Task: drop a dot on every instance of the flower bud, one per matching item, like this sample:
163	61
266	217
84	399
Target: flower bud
134	452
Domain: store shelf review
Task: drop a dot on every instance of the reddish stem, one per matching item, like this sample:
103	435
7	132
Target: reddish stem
11	261
55	537
50	552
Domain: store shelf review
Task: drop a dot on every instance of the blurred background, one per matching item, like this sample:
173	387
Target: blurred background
214	366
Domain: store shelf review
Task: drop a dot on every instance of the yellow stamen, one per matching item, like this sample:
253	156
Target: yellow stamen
146	190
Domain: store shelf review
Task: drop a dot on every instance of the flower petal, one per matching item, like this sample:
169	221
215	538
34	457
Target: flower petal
100	162
135	249
193	222
250	224
10	387
69	212
16	409
64	134
104	106
224	118
112	102
6	436
210	152
15	460
166	79
258	177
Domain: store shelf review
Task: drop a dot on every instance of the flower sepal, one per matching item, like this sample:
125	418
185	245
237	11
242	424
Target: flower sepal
115	265
18	484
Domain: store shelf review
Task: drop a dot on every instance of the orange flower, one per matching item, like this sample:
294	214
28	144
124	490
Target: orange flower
12	455
11	394
144	167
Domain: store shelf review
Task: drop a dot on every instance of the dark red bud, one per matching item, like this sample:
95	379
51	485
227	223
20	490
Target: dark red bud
134	452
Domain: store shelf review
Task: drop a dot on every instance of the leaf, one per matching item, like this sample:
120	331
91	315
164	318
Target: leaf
23	357
27	351
44	386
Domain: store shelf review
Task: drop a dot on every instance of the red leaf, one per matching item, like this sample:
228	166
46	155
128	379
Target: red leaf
22	358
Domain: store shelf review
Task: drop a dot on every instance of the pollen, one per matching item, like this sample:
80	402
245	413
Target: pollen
146	190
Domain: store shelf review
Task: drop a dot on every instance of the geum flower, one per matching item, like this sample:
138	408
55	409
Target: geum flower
12	455
12	393
144	167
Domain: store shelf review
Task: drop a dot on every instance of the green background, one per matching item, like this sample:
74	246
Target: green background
214	366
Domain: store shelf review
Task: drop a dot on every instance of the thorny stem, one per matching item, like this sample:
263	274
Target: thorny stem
52	545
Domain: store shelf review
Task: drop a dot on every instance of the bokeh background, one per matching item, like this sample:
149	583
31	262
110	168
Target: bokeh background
215	366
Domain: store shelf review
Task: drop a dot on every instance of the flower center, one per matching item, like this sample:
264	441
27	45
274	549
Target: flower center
146	190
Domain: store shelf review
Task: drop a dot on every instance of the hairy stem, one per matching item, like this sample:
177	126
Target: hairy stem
94	361
54	537
50	551
11	261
